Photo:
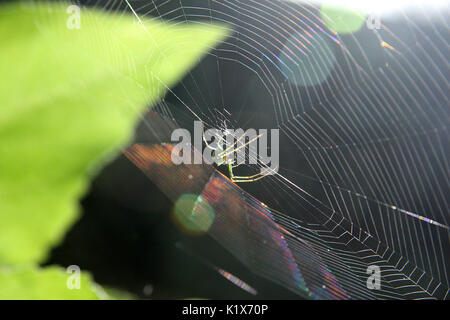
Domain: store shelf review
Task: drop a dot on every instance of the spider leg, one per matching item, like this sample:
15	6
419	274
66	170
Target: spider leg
230	171
204	139
252	178
226	152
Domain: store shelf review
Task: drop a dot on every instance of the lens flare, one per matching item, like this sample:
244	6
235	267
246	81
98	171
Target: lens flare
192	214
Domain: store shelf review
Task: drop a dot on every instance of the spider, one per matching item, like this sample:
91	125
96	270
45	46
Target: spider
224	159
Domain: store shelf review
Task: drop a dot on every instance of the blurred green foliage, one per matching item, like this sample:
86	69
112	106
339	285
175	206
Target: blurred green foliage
26	282
70	100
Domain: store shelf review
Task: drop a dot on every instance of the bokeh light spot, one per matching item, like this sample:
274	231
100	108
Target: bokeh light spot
310	66
193	214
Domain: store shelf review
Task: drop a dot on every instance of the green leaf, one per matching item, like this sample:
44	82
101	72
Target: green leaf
51	283
116	294
70	100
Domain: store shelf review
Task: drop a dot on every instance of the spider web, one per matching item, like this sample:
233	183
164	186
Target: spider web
363	177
